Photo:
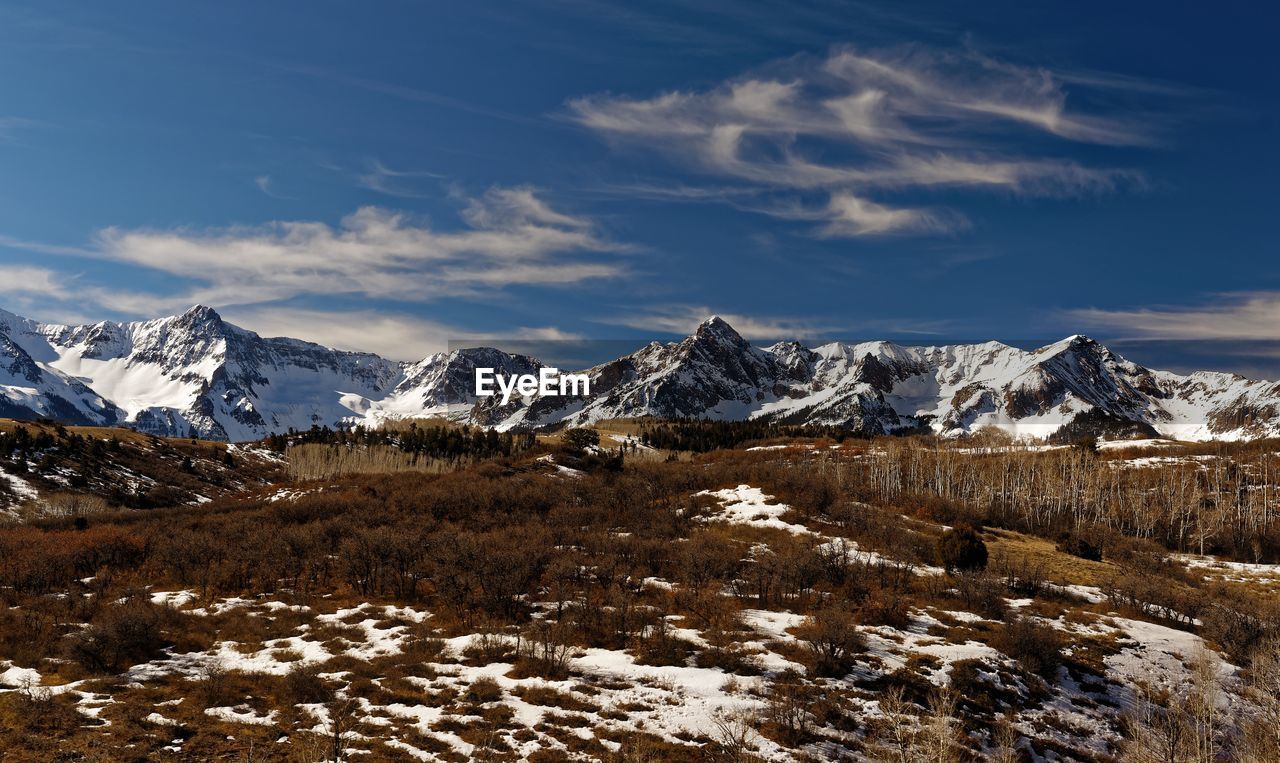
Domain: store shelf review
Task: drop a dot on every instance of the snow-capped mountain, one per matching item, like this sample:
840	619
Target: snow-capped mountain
1066	389
196	372
443	384
30	387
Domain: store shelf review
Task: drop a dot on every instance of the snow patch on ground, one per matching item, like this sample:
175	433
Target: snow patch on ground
563	471
1232	572
24	490
746	505
175	599
241	714
1127	444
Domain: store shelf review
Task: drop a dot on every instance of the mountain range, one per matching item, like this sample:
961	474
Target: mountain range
197	374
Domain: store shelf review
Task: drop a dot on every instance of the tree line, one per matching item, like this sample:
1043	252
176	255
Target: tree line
703	435
433	441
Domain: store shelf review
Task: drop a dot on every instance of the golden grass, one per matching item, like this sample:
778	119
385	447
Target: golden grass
425	422
629	426
106	433
1056	566
103	433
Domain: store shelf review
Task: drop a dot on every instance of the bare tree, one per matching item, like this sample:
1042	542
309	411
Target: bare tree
1204	706
1005	740
734	733
1183	725
938	742
897	738
1260	730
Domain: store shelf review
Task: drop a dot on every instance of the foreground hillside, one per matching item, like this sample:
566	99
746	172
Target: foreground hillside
50	470
885	600
196	374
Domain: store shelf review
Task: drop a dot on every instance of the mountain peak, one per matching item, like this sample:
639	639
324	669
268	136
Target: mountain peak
718	328
170	375
200	318
201	313
1073	343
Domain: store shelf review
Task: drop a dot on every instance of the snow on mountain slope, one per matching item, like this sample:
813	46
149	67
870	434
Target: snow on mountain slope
1071	388
443	384
29	388
195	372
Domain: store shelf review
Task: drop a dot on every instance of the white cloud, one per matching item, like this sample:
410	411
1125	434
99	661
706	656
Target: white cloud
381	178
40	247
30	280
512	237
856	124
268	187
852	216
398	337
1249	315
684	319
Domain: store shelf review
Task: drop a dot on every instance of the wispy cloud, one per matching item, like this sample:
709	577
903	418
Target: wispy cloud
399	337
857	125
10	126
391	335
845	215
32	280
1245	315
40	247
381	178
267	186
510	236
683	319
416	95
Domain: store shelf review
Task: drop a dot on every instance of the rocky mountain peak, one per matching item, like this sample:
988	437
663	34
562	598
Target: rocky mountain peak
196	372
717	329
199	319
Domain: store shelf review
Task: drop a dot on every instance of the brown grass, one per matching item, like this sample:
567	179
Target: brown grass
1056	566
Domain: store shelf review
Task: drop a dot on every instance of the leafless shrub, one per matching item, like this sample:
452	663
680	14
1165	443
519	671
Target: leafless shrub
489	647
895	738
303	685
69	505
482	691
1260	733
121	635
734	733
788	711
542	649
1185	723
1005	740
833	640
1036	646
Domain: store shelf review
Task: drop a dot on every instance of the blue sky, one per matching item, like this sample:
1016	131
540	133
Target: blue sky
393	176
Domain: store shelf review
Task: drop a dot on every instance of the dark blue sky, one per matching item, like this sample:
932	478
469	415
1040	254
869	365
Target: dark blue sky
395	175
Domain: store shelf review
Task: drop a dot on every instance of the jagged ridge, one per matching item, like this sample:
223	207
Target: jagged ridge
197	373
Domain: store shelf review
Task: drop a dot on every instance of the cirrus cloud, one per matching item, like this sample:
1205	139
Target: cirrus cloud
31	280
391	335
683	319
511	237
859	125
1246	316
